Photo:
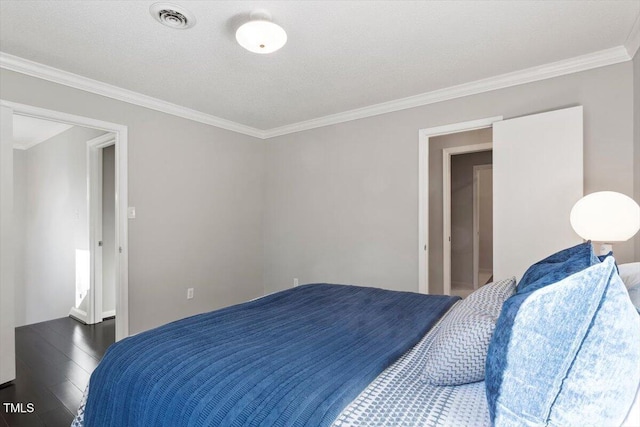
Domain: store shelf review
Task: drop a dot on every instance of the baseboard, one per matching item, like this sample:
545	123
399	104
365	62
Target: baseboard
79	315
82	316
7	384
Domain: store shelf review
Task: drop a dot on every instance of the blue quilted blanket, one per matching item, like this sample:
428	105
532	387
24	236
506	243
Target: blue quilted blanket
294	358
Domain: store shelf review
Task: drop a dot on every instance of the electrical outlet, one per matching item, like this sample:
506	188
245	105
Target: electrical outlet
295	282
190	293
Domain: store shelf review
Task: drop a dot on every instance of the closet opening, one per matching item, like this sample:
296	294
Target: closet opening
468	221
451	242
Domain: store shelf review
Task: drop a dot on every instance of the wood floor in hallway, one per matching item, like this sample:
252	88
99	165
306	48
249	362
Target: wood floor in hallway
54	360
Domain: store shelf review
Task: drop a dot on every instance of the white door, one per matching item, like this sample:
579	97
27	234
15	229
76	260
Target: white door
7	321
537	178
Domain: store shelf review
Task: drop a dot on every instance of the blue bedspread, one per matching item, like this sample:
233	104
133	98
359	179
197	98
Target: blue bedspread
294	358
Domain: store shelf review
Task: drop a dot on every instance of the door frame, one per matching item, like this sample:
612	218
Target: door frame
423	187
94	214
446	205
476	221
120	135
94	194
7	250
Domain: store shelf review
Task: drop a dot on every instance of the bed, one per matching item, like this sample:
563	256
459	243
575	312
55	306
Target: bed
338	355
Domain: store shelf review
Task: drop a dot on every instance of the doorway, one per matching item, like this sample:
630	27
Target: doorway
458	209
7	226
92	307
430	230
482	225
521	146
102	206
54	275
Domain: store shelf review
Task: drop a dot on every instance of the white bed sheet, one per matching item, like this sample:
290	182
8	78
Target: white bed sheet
398	397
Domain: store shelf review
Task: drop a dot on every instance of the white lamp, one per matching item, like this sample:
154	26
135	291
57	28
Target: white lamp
606	217
260	34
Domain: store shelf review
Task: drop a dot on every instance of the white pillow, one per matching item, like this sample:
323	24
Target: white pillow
629	273
633	417
458	351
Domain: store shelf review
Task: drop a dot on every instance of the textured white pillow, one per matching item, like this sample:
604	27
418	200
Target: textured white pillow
629	273
458	352
490	297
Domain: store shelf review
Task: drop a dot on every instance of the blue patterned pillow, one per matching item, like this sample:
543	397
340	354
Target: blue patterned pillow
458	352
566	354
558	266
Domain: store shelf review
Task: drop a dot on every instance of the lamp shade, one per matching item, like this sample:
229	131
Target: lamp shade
606	216
261	36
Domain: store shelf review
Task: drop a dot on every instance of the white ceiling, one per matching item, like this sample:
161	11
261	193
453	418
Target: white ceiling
340	56
29	131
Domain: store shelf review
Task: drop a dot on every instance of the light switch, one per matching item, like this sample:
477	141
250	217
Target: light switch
131	212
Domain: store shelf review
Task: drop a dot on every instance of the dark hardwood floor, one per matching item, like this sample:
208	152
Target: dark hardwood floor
54	360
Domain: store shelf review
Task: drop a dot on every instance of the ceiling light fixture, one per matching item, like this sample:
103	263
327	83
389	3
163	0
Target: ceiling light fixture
172	16
260	34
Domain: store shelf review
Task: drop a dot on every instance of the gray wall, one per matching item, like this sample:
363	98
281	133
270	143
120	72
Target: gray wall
224	213
55	224
198	193
19	230
462	182
436	145
108	229
342	201
335	204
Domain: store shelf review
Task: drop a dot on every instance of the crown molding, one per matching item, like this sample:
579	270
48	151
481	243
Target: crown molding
633	40
55	75
555	69
576	64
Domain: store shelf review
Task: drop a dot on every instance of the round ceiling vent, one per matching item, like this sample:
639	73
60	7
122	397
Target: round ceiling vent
172	15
